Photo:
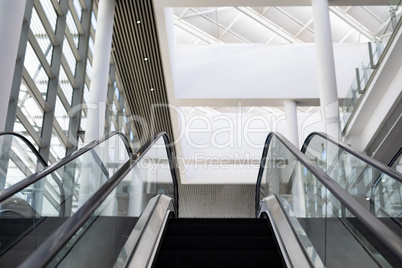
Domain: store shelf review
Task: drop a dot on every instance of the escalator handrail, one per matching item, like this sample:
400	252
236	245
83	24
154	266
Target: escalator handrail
39	157
372	162
19	186
29	144
390	240
49	249
396	156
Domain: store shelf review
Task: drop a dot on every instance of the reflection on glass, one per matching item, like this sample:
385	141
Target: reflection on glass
377	191
72	28
17	161
42	207
62	116
65	85
50	13
29	107
119	212
41	36
319	219
69	56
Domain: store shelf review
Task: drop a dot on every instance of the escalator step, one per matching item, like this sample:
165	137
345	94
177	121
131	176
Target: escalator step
222	259
221	227
218	243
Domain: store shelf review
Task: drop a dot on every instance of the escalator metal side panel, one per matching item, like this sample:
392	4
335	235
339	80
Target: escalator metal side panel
292	251
143	241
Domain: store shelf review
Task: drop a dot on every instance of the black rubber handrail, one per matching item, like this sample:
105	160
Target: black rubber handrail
49	249
29	144
19	186
396	156
389	238
372	162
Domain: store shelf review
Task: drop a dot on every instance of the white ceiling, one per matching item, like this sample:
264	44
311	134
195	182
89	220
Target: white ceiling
211	23
275	24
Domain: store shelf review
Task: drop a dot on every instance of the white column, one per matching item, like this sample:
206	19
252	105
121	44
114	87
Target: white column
291	122
90	177
11	19
326	68
100	71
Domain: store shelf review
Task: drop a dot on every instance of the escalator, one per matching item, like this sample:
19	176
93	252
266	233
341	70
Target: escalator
33	208
130	219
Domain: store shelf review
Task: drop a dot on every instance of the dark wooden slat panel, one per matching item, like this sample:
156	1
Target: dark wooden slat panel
133	42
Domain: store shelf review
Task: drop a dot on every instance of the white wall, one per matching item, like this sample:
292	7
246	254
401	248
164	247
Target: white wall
258	70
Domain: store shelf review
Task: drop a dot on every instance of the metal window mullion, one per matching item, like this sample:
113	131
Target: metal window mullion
63	99
35	91
68	72
119	108
93	33
95	9
90	56
87	80
80	78
31	131
75	17
45	23
51	159
57	7
61	134
84	5
110	96
73	47
114	121
54	82
39	53
19	67
121	114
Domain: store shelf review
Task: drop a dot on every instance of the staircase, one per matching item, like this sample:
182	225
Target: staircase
191	242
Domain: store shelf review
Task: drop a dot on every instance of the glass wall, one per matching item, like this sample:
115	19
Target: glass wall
56	75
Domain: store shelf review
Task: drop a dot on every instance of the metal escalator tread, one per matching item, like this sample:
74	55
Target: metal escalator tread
218	243
104	239
19	251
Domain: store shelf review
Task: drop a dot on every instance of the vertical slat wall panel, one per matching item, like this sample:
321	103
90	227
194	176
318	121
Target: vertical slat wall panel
132	43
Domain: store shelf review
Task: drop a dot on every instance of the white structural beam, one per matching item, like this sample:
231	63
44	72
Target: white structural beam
269	24
353	23
326	68
100	71
225	3
11	18
195	31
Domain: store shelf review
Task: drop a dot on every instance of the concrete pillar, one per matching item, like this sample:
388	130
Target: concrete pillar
100	71
292	132
11	19
326	68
